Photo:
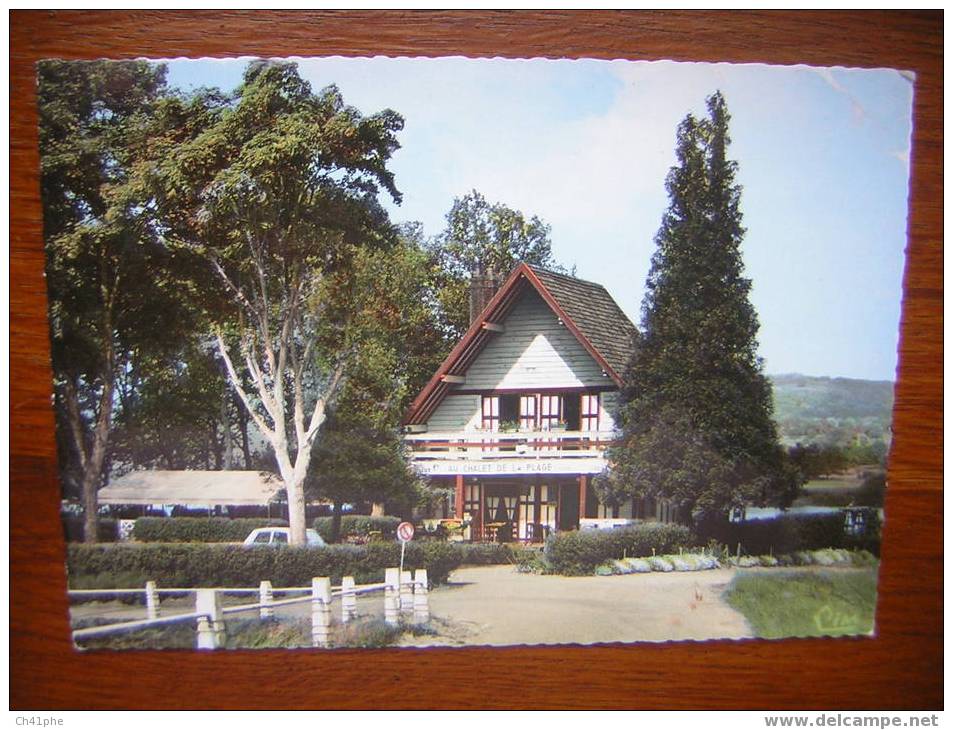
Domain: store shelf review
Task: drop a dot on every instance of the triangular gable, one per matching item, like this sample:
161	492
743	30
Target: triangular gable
482	328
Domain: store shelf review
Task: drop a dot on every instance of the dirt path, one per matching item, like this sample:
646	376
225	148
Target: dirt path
498	606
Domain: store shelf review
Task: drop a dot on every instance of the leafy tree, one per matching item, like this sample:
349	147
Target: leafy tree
179	412
393	332
274	190
485	237
815	461
107	305
696	409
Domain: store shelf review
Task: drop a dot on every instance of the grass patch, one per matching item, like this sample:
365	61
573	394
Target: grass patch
793	603
239	634
366	634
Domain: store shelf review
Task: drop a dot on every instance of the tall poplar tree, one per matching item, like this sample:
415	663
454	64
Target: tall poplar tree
696	409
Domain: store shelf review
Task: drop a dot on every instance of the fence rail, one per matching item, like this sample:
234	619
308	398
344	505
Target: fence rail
405	594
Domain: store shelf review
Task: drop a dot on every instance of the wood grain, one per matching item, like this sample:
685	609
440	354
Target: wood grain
902	667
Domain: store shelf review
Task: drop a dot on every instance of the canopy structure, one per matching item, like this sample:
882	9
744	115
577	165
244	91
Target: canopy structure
192	488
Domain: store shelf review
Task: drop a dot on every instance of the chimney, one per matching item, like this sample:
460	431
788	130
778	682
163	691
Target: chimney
482	288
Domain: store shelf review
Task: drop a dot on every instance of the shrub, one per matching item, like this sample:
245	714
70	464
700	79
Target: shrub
579	552
680	563
792	533
872	491
660	564
863	559
73	527
638	565
191	565
489	553
198	529
358	527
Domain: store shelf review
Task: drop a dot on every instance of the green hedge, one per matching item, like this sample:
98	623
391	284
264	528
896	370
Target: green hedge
493	553
791	533
190	565
74	528
579	552
358	526
198	529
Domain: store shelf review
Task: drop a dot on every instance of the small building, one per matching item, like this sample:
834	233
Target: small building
196	490
517	418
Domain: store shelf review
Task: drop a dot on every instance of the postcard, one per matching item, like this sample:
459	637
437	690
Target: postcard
366	352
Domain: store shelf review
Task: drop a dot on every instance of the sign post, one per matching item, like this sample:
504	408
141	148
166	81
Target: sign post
405	533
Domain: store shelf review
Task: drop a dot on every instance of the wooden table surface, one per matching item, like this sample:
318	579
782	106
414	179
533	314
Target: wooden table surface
900	668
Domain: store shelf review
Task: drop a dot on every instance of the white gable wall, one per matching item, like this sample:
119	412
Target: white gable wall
535	351
456	413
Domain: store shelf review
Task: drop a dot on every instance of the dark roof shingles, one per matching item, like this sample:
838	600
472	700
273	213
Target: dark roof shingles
596	314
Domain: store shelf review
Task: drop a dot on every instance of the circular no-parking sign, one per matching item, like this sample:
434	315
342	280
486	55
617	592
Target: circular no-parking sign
405	532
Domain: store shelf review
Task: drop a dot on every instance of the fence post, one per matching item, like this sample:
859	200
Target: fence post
348	599
392	596
265	597
212	625
320	612
406	592
421	601
152	600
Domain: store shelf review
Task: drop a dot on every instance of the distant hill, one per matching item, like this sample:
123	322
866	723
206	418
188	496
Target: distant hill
837	411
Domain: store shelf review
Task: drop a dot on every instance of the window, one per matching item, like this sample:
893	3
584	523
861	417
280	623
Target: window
589	420
550	411
528	412
491	413
541	412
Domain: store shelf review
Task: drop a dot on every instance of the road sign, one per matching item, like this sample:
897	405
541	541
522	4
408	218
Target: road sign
405	532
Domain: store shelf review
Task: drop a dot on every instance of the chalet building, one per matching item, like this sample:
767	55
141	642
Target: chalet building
517	419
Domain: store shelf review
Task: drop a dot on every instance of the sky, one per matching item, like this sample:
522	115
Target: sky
823	157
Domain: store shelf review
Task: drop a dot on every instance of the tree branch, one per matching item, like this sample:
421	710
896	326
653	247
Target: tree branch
236	384
317	417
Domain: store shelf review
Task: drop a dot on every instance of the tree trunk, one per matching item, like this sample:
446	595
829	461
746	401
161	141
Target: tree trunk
336	521
377	509
226	429
296	513
246	450
93	468
92	456
90	506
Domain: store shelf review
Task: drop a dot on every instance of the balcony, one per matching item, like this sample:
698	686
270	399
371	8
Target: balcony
517	452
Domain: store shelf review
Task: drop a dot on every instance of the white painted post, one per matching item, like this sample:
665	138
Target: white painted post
421	600
152	600
392	596
265	596
348	599
212	625
406	592
320	612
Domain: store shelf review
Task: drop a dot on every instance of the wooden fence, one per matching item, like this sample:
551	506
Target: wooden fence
405	595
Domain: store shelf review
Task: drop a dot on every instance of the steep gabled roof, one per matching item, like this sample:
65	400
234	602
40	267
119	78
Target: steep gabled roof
597	316
587	310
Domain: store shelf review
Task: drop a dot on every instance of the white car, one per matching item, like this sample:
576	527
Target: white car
280	536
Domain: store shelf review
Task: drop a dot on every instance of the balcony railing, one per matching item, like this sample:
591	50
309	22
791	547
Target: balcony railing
509	445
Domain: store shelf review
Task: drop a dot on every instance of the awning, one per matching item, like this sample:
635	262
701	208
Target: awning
198	488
